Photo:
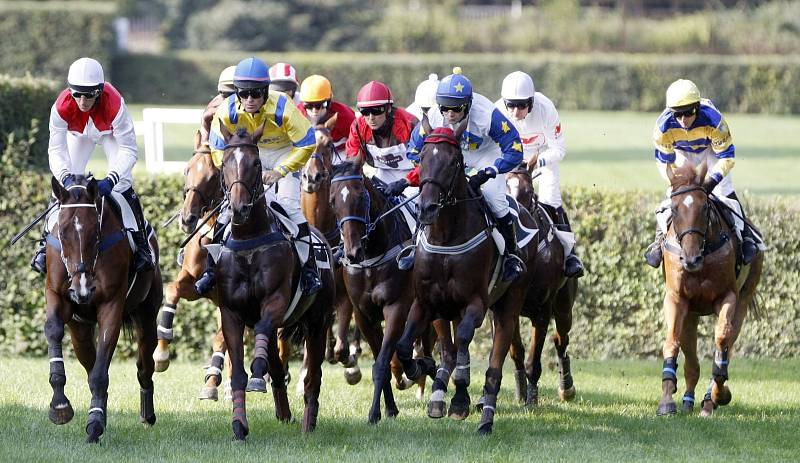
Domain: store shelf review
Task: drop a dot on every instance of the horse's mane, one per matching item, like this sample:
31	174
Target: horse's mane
684	175
346	168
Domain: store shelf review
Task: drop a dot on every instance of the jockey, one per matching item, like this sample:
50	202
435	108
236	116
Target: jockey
380	137
283	78
225	89
543	146
692	130
92	112
285	146
491	145
425	97
318	106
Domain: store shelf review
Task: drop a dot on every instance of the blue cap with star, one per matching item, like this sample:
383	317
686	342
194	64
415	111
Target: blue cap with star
454	90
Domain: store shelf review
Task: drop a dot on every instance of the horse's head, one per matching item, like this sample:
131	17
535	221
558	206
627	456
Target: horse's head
690	212
201	190
79	234
241	172
350	201
520	186
441	170
318	167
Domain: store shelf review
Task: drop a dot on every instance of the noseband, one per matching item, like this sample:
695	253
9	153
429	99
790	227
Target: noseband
702	233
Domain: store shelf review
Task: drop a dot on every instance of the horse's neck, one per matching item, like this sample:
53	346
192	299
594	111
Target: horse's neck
716	224
461	221
381	237
257	223
317	208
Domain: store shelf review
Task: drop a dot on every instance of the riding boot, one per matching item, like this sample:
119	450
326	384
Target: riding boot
749	247
208	279
142	258
513	266
654	254
573	267
309	276
39	262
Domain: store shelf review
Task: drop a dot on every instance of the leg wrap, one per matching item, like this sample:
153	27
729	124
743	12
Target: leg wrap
239	410
688	396
56	362
708	391
215	367
146	407
262	341
461	375
442	378
165	317
670	370
564	372
720	367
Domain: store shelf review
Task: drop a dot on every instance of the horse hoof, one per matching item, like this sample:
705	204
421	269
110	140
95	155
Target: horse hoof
480	402
208	393
352	375
62	413
721	397
436	409
148	421
707	408
566	395
485	429
374	418
162	366
459	411
161	357
666	408
687	406
392	413
404	383
240	431
256	385
94	431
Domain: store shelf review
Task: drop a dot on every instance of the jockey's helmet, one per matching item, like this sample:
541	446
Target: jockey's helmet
454	90
426	92
682	93
225	82
518	89
283	77
86	75
315	88
374	93
251	73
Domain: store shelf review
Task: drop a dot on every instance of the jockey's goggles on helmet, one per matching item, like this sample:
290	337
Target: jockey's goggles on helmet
373	110
454	109
316	105
511	104
88	95
684	112
246	93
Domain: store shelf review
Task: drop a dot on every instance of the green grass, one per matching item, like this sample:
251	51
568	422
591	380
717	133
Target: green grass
614	150
612	419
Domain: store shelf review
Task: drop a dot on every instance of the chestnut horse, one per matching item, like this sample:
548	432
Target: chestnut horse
257	275
90	282
456	263
700	272
550	296
316	184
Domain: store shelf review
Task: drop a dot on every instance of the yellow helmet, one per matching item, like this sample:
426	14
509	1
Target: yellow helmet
682	92
225	83
315	88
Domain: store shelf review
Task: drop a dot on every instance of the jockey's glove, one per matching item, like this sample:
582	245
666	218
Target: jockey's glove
269	177
481	177
396	188
105	186
709	184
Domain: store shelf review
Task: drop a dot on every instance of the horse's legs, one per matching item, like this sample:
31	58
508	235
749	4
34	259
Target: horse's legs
233	330
437	404
166	316
395	315
675	311
344	313
315	355
109	324
146	340
263	331
725	332
215	365
349	359
284	355
563	318
517	353
505	315
61	411
426	342
415	325
473	318
533	364
276	370
691	371
372	332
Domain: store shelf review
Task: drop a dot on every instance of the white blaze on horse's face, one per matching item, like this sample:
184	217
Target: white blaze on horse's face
513	186
199	168
238	155
84	290
688	201
345	193
435	151
319	135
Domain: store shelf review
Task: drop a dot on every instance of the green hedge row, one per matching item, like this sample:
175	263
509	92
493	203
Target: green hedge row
618	309
44	38
24	117
765	84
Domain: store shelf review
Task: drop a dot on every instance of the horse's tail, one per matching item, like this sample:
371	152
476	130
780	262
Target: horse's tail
128	328
293	334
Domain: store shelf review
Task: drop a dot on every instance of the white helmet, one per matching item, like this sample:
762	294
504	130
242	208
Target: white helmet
426	92
225	82
85	74
517	86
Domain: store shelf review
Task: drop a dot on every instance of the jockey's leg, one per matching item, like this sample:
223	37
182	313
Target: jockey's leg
39	261
206	282
288	196
494	191
573	267
654	253
143	259
749	247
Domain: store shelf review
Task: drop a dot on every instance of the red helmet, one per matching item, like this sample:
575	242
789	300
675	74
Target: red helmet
374	94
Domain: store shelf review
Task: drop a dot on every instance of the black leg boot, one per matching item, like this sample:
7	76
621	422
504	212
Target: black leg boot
654	254
208	279
143	259
513	266
573	267
309	278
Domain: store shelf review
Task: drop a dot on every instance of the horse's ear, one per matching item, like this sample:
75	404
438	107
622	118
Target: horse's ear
426	124
259	131
226	134
91	188
59	191
701	170
331	123
462	126
670	169
197	140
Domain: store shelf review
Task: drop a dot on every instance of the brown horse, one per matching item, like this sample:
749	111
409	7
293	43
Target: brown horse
551	295
700	271
90	282
258	271
453	274
316	183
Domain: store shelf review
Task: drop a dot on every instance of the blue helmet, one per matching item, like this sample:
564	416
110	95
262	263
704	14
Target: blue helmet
251	73
454	90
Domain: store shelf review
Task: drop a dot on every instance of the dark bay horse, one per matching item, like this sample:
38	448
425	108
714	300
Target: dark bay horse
257	275
316	184
90	282
456	264
550	296
700	272
380	291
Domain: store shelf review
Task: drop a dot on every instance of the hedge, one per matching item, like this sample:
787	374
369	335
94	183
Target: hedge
617	313
759	84
44	38
24	117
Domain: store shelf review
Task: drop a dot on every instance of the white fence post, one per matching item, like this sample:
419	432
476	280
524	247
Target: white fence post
152	128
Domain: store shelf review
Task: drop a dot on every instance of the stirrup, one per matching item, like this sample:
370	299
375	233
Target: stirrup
39	261
654	255
205	283
310	282
513	267
405	259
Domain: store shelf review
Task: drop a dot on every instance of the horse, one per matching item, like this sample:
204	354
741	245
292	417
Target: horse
456	266
701	278
315	187
551	295
90	281
257	273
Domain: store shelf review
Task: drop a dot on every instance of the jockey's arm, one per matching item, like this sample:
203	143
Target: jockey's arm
722	145
505	134
302	136
123	133
556	144
57	147
415	143
664	151
208	116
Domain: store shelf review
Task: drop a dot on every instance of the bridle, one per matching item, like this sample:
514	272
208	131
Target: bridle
81	267
446	193
331	149
206	203
365	218
698	231
256	191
